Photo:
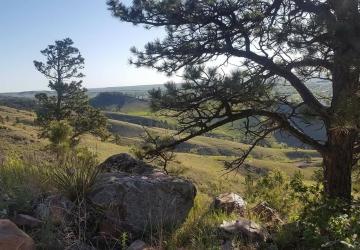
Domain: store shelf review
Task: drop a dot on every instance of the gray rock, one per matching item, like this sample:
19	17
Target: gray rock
246	229
138	202
125	163
266	213
230	203
137	245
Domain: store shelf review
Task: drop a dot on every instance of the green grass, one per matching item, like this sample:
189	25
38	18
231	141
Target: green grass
205	170
23	176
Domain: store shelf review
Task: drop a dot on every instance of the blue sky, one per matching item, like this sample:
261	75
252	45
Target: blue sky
28	26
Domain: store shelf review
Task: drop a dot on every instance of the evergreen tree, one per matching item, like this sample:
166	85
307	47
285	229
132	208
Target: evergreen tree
271	42
69	103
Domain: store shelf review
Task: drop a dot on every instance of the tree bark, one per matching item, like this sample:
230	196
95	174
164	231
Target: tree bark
338	161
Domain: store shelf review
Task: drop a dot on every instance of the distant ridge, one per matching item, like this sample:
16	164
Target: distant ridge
138	90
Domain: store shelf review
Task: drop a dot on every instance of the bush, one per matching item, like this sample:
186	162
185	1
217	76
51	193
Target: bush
279	191
74	178
59	134
20	183
327	222
75	175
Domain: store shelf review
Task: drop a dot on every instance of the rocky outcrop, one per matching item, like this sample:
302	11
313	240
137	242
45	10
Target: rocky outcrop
266	213
12	238
230	203
136	198
246	229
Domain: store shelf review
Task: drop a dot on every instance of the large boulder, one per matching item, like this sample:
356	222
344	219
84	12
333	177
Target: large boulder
12	238
230	203
137	198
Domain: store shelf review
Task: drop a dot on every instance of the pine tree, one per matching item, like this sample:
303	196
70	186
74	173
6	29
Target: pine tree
69	102
294	42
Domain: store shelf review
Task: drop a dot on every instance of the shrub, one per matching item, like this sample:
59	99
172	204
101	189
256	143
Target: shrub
59	134
75	175
278	190
327	222
21	182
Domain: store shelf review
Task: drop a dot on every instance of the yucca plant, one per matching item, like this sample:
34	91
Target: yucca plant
75	175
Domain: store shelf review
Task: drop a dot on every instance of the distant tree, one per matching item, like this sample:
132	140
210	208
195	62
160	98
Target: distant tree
18	102
117	139
110	100
69	103
273	42
59	134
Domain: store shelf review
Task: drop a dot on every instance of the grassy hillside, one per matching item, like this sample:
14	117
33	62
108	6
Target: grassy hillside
134	103
200	159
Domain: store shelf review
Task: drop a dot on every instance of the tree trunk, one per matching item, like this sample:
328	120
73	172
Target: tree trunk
338	161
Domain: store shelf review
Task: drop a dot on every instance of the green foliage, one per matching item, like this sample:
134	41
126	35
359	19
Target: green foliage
20	183
328	221
200	231
70	102
75	175
23	103
278	190
117	139
111	100
274	43
59	134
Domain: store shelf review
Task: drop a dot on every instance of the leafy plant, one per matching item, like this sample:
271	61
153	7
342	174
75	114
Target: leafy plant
76	174
59	133
327	222
278	190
